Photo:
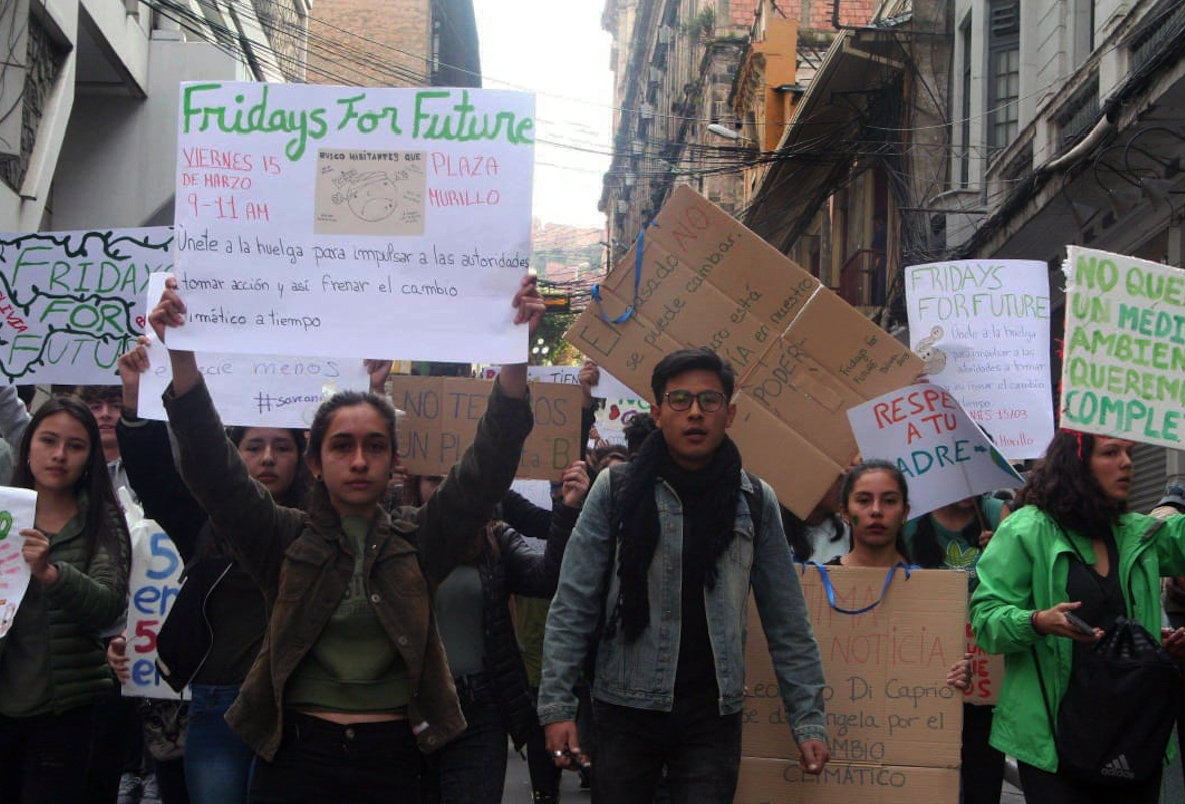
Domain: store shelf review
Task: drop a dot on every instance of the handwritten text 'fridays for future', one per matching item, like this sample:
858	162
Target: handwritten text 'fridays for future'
435	115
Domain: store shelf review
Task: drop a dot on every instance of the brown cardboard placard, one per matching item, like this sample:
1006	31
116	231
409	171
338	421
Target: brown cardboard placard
442	414
774	781
987	673
803	356
887	700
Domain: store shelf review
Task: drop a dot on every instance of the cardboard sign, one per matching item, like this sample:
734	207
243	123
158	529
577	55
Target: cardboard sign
987	673
982	329
943	454
441	420
887	701
256	390
776	781
72	302
154	583
803	356
17	510
1124	348
311	219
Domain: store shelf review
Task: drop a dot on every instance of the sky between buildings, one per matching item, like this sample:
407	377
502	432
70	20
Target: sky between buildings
558	51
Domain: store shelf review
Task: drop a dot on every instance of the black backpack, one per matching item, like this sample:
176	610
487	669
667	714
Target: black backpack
1118	711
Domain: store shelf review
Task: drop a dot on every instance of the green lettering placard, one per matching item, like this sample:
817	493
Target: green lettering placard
1123	372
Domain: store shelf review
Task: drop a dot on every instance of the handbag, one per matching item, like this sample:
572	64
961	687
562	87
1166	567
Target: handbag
1118	712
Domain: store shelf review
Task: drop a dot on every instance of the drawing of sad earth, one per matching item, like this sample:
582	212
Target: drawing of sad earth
373	197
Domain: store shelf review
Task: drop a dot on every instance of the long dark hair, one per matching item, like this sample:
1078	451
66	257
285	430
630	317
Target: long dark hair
1063	487
104	526
294	496
319	502
796	533
877	465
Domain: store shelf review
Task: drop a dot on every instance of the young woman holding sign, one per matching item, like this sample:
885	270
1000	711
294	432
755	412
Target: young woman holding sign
217	623
1064	566
874	501
352	678
53	669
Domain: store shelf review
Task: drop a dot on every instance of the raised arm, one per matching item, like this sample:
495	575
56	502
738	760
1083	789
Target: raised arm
465	501
239	507
148	459
535	575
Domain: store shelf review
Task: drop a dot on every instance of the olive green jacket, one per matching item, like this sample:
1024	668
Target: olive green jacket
68	616
303	561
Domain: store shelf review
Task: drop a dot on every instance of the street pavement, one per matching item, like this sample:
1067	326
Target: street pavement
518	786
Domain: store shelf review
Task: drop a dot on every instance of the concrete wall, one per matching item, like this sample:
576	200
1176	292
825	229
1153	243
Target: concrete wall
118	162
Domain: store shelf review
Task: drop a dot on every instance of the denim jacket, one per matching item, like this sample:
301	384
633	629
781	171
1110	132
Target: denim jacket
642	674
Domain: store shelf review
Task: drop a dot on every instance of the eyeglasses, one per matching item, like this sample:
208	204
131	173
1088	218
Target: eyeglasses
709	401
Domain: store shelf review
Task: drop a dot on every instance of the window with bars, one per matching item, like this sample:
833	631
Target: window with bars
1003	72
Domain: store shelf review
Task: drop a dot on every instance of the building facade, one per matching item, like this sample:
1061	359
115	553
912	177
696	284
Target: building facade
1068	131
89	93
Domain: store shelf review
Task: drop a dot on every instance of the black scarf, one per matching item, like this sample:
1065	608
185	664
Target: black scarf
712	494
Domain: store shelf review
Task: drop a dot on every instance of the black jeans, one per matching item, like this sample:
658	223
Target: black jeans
472	768
320	761
545	776
1054	788
700	749
981	778
45	758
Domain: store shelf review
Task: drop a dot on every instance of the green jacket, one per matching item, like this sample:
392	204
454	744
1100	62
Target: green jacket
1024	569
66	619
303	562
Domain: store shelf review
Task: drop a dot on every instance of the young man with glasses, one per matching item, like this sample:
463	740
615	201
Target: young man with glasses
655	584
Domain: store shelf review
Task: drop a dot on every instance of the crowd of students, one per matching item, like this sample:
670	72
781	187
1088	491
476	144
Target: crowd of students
351	633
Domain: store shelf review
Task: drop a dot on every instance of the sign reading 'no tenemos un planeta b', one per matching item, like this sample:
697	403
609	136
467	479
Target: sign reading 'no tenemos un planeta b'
315	220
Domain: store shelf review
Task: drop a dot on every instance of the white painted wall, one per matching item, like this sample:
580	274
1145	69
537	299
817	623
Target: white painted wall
117	166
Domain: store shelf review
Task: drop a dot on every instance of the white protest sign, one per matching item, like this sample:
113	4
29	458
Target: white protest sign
313	219
72	302
537	491
17	509
615	415
1122	374
983	329
154	583
945	457
252	390
256	390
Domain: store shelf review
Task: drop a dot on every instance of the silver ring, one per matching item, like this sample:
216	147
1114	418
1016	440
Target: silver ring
557	753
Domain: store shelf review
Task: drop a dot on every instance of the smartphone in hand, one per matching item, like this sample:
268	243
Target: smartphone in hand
1079	624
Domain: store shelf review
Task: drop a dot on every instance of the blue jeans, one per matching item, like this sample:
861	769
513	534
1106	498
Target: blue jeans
472	768
217	762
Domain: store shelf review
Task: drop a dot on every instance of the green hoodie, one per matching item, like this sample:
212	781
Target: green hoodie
1024	569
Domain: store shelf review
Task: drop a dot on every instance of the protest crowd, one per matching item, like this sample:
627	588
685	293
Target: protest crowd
347	631
808	567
